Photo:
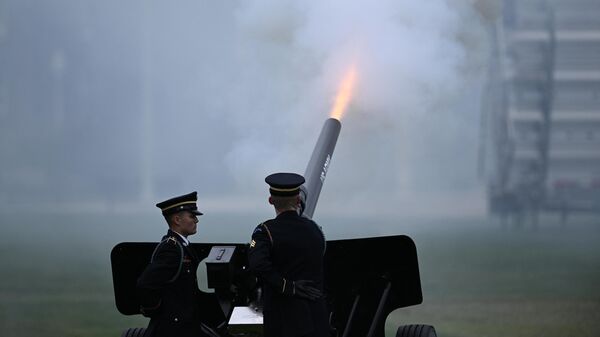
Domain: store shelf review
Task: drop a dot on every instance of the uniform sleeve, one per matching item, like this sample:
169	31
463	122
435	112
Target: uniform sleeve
260	263
157	274
162	269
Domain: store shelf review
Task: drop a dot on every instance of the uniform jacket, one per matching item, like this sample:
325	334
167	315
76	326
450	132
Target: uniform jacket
283	250
168	290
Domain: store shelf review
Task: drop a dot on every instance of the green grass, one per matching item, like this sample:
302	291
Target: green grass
482	280
478	278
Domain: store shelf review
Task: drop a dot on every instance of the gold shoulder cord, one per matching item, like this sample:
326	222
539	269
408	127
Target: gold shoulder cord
170	238
268	232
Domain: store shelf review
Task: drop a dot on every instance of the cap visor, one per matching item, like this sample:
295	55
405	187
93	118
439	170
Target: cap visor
197	212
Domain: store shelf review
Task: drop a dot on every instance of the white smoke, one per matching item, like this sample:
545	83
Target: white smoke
412	121
214	95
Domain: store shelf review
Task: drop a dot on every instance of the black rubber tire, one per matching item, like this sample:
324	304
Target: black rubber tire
134	332
416	330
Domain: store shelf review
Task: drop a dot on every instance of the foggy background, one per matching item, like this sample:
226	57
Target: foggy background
111	106
108	107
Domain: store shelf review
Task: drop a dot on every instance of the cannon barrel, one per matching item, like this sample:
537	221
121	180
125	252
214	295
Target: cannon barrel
319	163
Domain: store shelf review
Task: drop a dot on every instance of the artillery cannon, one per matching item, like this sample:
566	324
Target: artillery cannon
365	278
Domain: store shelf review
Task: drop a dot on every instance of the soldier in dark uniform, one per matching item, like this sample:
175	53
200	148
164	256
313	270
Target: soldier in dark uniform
168	288
286	253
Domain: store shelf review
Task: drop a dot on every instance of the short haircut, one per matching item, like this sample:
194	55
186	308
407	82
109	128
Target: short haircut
169	218
287	202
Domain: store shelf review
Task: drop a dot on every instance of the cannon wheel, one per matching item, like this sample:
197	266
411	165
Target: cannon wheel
416	330
134	332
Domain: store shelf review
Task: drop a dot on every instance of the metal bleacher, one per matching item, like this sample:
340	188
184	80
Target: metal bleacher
546	126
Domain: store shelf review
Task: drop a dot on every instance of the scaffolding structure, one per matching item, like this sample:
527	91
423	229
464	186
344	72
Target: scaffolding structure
543	109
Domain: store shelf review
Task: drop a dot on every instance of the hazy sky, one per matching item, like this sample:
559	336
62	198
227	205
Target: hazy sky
144	100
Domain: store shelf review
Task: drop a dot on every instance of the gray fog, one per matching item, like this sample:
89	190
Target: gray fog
460	108
112	106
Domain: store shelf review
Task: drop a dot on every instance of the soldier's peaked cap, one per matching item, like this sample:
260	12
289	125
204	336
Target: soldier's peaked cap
284	184
181	203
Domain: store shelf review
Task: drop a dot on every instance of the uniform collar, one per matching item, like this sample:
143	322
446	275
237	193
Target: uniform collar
288	213
183	240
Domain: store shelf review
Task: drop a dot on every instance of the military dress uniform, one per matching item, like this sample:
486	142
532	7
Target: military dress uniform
283	250
168	288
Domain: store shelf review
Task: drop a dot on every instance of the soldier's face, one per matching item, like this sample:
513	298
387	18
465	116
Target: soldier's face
186	223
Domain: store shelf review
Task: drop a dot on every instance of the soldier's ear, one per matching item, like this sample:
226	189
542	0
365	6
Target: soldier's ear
271	200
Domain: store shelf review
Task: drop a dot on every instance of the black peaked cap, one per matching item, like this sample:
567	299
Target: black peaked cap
284	184
186	202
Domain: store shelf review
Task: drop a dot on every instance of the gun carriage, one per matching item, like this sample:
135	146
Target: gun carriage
365	278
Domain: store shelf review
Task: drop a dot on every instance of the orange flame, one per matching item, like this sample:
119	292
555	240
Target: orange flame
344	93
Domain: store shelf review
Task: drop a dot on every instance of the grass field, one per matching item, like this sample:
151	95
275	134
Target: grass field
490	281
478	278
